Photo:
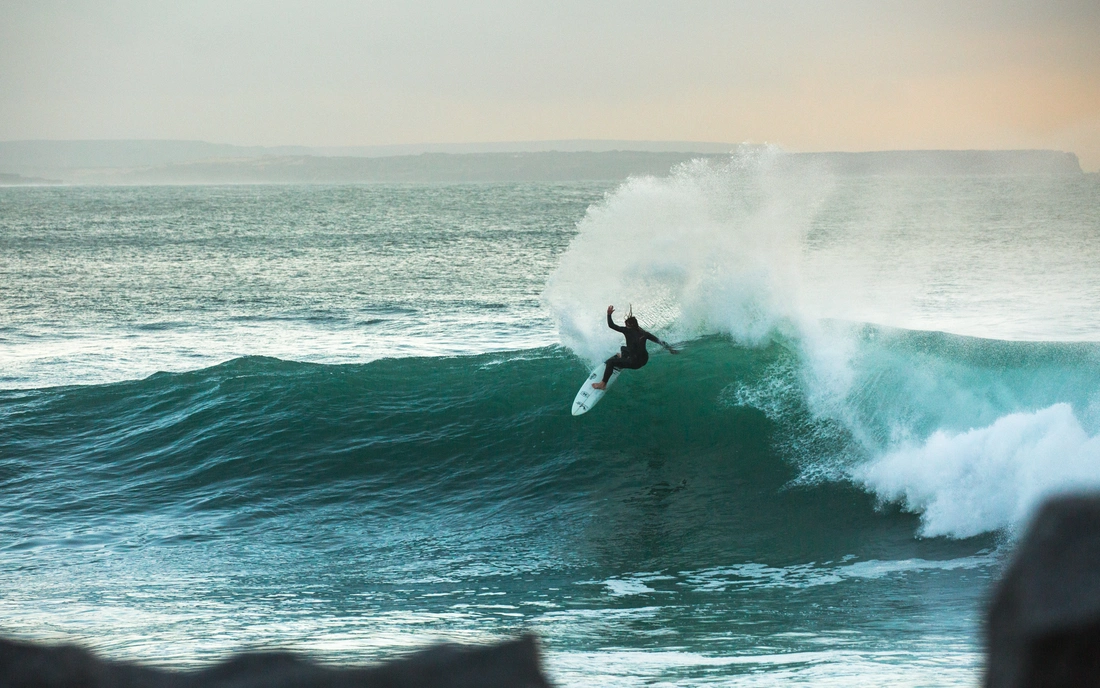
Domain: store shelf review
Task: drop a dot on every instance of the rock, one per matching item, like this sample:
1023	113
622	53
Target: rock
1043	627
513	664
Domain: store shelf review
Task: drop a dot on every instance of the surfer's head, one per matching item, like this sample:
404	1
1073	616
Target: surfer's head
631	321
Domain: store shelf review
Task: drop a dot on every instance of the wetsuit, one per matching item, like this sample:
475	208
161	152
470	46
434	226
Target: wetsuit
633	355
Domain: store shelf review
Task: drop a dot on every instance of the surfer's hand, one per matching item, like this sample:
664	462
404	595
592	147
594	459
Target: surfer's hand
610	310
673	351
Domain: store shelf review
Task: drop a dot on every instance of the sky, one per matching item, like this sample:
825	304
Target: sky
805	75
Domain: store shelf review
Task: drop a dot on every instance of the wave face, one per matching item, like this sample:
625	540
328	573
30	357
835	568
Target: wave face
421	439
970	433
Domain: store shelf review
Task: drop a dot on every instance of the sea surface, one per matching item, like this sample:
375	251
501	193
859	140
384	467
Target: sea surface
335	419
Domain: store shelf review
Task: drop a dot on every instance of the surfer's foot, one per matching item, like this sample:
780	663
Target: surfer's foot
598	385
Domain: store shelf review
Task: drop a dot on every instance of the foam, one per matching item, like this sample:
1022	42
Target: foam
714	248
988	478
811	575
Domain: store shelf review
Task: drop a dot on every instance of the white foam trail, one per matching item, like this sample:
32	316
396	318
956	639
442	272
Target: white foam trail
990	478
801	576
712	248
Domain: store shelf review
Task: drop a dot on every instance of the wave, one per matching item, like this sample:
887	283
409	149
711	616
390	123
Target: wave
490	422
970	434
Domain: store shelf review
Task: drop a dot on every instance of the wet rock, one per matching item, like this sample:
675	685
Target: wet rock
1044	623
512	664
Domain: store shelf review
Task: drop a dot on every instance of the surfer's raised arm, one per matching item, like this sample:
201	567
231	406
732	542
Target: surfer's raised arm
611	323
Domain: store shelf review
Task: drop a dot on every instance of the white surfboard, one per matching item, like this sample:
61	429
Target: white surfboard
587	397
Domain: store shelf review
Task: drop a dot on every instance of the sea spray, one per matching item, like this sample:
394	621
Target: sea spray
714	248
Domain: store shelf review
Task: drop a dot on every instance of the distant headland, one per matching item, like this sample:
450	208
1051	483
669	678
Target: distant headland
198	162
12	179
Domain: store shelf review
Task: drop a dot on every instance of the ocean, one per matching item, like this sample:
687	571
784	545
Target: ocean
335	419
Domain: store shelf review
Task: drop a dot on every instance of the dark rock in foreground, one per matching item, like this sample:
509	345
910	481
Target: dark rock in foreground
512	664
1044	623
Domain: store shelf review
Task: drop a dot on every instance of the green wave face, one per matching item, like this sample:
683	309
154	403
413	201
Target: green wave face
254	438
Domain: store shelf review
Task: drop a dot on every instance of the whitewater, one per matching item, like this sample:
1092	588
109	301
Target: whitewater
335	418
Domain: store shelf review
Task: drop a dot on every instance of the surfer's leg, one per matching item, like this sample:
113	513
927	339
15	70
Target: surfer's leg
612	363
609	368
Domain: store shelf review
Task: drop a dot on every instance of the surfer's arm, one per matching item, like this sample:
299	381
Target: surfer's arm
653	338
611	323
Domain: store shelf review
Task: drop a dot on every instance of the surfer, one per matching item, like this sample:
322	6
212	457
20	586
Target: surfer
633	355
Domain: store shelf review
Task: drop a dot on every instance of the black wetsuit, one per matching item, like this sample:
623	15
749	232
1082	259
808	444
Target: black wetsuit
633	355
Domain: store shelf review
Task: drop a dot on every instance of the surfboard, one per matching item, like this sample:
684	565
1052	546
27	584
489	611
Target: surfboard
588	397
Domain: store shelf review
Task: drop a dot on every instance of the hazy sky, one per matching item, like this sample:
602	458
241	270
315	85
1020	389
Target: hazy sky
842	75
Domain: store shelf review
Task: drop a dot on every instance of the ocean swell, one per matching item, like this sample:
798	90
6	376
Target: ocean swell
254	438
